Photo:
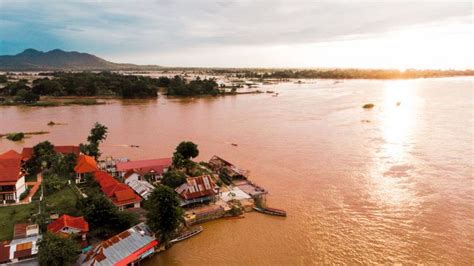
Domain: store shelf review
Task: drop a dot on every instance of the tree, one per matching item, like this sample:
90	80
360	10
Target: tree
178	160
103	216
98	135
164	212
26	96
187	149
42	157
57	251
173	179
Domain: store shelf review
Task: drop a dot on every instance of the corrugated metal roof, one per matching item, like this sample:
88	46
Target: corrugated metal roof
117	248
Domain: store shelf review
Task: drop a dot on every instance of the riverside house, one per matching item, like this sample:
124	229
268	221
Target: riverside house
23	247
199	189
85	165
127	248
68	226
154	168
120	194
12	177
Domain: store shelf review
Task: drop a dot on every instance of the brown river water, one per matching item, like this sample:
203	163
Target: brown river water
393	184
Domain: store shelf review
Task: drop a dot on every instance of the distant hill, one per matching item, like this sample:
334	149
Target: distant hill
57	59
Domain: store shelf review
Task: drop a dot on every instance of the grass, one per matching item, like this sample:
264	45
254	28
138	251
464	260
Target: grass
61	202
10	215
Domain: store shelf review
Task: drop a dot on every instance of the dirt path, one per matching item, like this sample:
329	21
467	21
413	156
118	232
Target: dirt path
36	186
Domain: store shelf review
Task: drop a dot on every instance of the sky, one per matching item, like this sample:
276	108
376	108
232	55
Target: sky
259	33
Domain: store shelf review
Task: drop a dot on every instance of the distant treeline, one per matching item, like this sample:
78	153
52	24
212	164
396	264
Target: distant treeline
104	84
179	86
353	74
94	84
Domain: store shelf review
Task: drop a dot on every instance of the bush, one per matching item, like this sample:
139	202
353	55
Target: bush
25	193
16	136
173	179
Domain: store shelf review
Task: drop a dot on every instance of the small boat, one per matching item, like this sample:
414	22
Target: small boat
135	146
187	234
234	144
271	211
276	94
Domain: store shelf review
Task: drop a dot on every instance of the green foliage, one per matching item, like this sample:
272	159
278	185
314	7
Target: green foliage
46	86
26	96
53	182
42	157
104	83
178	160
173	179
13	87
164	212
17	136
98	134
187	149
57	251
25	193
103	217
179	86
3	79
352	74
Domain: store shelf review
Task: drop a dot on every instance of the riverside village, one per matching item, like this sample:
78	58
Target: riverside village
72	205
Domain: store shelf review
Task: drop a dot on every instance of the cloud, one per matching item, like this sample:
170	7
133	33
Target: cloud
128	27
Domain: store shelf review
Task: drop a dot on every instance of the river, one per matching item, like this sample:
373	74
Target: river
391	184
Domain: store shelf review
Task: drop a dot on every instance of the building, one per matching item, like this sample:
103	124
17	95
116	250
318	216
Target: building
69	225
154	167
226	169
26	153
85	165
198	189
141	187
12	177
23	247
126	248
120	194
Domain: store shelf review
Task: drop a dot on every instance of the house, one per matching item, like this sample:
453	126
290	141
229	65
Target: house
198	189
141	187
226	169
67	225
23	246
12	177
154	167
85	165
126	248
26	153
120	194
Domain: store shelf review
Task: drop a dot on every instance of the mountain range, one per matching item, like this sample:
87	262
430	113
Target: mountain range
34	60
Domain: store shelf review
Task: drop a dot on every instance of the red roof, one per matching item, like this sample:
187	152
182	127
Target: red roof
86	164
146	166
4	251
69	221
119	193
26	153
196	187
10	167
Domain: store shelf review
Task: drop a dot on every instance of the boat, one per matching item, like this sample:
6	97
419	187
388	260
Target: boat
271	211
187	234
234	144
235	217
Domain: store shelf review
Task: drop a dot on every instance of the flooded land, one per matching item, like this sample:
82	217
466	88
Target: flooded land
386	184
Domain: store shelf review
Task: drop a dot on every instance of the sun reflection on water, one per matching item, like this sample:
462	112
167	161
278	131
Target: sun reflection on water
392	163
